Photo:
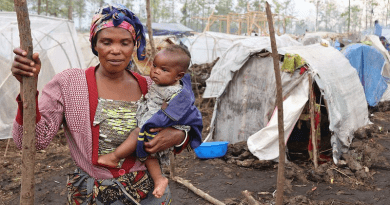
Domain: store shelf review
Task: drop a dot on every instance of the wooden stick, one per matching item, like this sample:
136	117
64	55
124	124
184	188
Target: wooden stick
312	123
250	198
150	30
6	148
197	191
172	165
29	110
282	148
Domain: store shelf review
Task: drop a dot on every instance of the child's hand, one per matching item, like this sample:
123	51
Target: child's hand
164	105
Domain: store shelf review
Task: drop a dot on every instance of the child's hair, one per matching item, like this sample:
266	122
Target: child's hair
376	21
184	55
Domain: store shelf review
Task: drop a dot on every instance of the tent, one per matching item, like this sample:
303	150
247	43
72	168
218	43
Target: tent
369	63
54	39
166	29
208	46
243	83
377	44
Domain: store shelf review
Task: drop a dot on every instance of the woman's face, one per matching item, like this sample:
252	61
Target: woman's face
115	47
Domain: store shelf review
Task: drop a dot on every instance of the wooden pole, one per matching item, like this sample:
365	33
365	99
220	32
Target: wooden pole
249	197
197	191
172	173
29	109
70	10
312	123
150	30
279	99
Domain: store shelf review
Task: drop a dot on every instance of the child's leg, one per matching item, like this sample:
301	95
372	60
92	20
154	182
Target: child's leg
125	149
160	182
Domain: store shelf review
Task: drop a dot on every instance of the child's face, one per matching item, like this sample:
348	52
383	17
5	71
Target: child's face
165	70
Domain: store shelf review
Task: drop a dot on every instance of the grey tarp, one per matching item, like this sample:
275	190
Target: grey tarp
343	92
244	85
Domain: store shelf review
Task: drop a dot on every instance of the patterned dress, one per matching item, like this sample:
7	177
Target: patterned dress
116	120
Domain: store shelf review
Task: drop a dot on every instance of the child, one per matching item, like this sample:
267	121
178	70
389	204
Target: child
170	93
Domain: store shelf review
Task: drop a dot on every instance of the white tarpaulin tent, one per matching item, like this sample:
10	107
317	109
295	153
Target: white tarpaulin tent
208	46
244	83
54	39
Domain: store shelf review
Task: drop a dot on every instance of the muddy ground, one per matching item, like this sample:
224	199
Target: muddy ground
364	179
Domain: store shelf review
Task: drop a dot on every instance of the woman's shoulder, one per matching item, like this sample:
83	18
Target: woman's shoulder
71	72
70	75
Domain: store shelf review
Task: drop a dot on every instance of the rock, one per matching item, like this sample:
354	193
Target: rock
366	131
231	161
239	148
245	163
361	174
227	170
313	176
352	163
300	199
245	155
262	164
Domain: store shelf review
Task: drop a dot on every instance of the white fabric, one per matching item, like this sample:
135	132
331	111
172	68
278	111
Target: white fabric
265	143
54	39
208	46
236	56
342	90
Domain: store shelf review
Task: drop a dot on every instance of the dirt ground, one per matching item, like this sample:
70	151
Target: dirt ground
363	176
225	178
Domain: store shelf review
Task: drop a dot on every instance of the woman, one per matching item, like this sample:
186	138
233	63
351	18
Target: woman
97	110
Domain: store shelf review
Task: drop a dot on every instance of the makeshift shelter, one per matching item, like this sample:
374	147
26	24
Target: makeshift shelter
208	46
167	29
369	63
243	82
54	39
376	43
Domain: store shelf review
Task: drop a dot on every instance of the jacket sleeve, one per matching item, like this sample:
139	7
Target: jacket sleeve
49	115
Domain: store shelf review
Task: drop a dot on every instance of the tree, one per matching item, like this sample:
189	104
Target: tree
329	10
224	7
355	16
79	9
184	13
317	4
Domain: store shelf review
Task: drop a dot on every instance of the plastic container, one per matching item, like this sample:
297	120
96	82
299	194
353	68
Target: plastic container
209	150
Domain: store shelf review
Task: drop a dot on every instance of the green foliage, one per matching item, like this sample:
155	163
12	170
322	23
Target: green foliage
224	7
6	5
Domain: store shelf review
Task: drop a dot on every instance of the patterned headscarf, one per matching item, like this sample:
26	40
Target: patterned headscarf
119	16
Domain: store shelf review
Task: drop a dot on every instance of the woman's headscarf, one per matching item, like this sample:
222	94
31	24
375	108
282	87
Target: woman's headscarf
119	16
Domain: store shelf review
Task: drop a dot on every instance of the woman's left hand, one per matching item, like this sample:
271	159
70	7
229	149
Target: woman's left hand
166	138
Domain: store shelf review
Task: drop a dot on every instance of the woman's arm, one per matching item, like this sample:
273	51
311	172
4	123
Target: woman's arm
166	138
49	108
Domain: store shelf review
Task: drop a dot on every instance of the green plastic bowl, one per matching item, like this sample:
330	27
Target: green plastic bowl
209	150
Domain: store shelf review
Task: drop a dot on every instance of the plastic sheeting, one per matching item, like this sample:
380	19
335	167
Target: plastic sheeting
369	63
165	29
208	46
54	39
244	85
343	93
264	144
237	55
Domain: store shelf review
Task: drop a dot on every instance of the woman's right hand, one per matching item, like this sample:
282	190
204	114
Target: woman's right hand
22	66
